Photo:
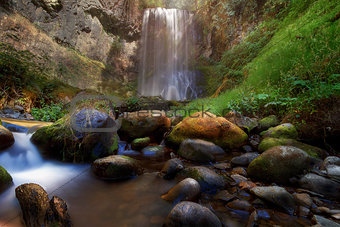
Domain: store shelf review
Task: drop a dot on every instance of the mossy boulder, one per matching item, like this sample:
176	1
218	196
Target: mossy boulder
287	131
209	181
268	122
154	152
6	138
207	126
148	123
186	190
62	141
199	150
5	179
268	143
279	164
140	143
116	167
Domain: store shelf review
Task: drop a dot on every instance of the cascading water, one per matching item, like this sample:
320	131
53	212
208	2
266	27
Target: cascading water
168	38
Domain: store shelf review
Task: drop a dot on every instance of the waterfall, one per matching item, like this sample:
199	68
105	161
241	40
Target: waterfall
167	49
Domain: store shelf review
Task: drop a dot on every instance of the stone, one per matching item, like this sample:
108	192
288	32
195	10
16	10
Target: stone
222	166
207	126
171	168
245	123
247	148
6	138
5	179
240	205
239	170
287	131
331	160
303	199
186	190
199	150
34	204
58	214
321	185
144	124
209	181
191	214
140	143
224	195
333	172
268	122
116	167
276	195
279	164
303	211
245	159
154	152
321	221
81	137
312	151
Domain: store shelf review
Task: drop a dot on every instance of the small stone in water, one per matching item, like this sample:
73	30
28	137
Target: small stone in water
240	205
239	170
224	195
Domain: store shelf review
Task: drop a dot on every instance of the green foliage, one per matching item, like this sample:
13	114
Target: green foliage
297	67
49	113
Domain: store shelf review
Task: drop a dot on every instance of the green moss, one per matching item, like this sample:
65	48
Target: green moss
312	151
287	131
268	122
5	179
140	143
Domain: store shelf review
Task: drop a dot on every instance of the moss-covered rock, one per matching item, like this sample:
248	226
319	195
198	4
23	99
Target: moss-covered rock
6	138
287	131
209	181
63	142
148	123
268	143
207	126
116	167
5	179
140	143
268	122
279	164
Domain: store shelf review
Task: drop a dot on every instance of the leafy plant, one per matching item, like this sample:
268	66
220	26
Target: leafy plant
49	113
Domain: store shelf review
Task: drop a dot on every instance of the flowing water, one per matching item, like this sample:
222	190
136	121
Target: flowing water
91	202
168	38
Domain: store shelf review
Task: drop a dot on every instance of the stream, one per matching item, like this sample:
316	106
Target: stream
91	202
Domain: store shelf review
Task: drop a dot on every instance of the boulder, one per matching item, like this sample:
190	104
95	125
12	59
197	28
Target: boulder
116	167
186	190
320	185
331	160
287	131
268	122
38	211
5	179
144	124
244	160
245	123
279	164
140	143
199	150
34	204
207	126
268	143
6	138
209	181
333	172
276	195
171	168
154	152
58	213
83	137
191	214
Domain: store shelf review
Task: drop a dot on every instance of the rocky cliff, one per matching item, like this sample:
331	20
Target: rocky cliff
88	44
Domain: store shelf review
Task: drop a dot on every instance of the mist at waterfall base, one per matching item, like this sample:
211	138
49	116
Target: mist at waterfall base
91	201
168	49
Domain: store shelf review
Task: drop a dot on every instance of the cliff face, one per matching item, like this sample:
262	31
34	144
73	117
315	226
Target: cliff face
88	43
